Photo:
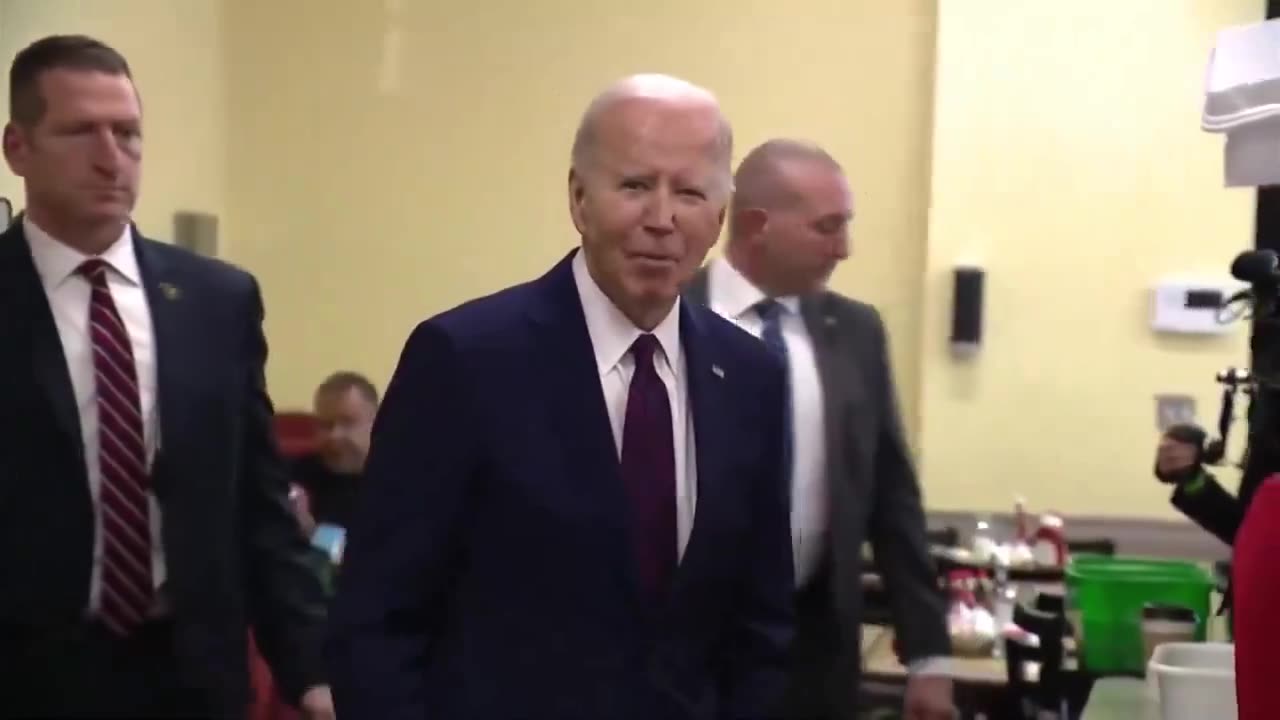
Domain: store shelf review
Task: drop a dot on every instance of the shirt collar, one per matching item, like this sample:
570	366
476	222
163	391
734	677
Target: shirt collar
612	333
732	295
56	261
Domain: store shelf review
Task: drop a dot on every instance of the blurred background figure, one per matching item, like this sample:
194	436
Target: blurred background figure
345	405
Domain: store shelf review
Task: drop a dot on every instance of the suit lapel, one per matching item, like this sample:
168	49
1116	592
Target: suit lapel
164	296
575	403
23	301
705	372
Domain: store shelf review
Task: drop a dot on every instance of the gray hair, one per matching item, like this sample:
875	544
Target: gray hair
657	86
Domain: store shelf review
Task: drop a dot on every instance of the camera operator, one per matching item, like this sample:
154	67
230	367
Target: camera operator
1197	493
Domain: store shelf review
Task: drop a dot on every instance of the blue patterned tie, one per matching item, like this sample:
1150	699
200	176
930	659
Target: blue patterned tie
770	311
648	469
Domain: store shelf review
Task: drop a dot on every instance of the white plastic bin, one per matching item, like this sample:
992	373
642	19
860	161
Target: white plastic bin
1193	681
1242	99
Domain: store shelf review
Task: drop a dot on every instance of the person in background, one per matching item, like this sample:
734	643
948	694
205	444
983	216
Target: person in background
1196	492
850	467
345	406
143	511
574	505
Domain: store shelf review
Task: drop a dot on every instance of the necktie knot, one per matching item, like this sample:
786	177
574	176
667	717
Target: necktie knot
94	270
643	350
769	310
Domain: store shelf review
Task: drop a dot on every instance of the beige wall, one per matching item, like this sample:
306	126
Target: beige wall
374	163
175	50
1067	158
397	162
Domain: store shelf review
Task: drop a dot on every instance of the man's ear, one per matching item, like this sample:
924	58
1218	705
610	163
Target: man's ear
14	148
749	223
577	193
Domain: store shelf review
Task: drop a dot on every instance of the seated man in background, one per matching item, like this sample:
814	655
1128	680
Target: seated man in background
345	405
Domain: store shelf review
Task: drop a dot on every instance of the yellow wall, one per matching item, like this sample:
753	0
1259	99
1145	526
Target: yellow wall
374	163
175	50
1067	158
396	184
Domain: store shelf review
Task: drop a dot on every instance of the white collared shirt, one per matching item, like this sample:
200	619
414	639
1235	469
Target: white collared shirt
612	335
734	297
68	293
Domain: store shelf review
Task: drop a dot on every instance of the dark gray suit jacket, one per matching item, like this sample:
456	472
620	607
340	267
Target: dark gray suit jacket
874	494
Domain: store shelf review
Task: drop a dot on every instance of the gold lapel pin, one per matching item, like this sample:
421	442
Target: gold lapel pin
170	292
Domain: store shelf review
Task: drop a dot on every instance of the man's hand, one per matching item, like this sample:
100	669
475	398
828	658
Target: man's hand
1178	453
929	697
317	704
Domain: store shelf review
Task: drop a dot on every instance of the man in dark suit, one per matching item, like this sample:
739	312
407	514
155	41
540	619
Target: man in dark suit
850	468
574	504
143	509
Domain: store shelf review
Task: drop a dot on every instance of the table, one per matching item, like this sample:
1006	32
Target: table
879	660
1116	698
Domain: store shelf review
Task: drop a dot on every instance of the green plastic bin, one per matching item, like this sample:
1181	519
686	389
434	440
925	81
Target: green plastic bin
1105	597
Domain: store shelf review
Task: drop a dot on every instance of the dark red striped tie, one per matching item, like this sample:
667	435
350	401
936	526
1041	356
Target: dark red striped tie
127	589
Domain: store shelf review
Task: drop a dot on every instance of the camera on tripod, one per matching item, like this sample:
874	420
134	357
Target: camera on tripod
1260	384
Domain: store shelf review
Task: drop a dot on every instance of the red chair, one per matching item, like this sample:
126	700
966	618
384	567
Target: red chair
1256	605
266	703
298	433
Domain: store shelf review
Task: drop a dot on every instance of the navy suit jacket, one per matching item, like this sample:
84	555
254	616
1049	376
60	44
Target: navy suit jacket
235	555
489	573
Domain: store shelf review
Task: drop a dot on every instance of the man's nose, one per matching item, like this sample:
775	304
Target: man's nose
840	247
107	154
660	216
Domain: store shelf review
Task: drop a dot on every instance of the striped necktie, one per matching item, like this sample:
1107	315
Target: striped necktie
127	585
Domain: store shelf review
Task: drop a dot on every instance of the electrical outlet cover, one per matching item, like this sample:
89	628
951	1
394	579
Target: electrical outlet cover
1172	409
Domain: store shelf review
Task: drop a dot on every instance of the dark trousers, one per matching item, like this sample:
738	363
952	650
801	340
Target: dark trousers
815	687
82	670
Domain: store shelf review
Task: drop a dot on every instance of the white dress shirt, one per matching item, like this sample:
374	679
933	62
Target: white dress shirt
734	297
68	294
612	335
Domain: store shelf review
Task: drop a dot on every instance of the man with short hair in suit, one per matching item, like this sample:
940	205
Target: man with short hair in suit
574	505
143	512
850	468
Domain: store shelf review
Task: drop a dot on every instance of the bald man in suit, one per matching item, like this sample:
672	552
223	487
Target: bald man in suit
850	470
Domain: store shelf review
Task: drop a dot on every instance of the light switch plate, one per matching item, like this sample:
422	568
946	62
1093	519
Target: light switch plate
1172	409
196	231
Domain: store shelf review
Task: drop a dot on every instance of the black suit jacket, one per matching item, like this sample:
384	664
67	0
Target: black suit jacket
874	495
234	554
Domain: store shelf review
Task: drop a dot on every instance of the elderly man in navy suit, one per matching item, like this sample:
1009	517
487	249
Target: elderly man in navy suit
575	499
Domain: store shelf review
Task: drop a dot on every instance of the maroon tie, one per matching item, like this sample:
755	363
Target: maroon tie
127	587
649	471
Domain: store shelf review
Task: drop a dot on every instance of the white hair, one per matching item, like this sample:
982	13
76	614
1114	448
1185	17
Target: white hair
659	87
